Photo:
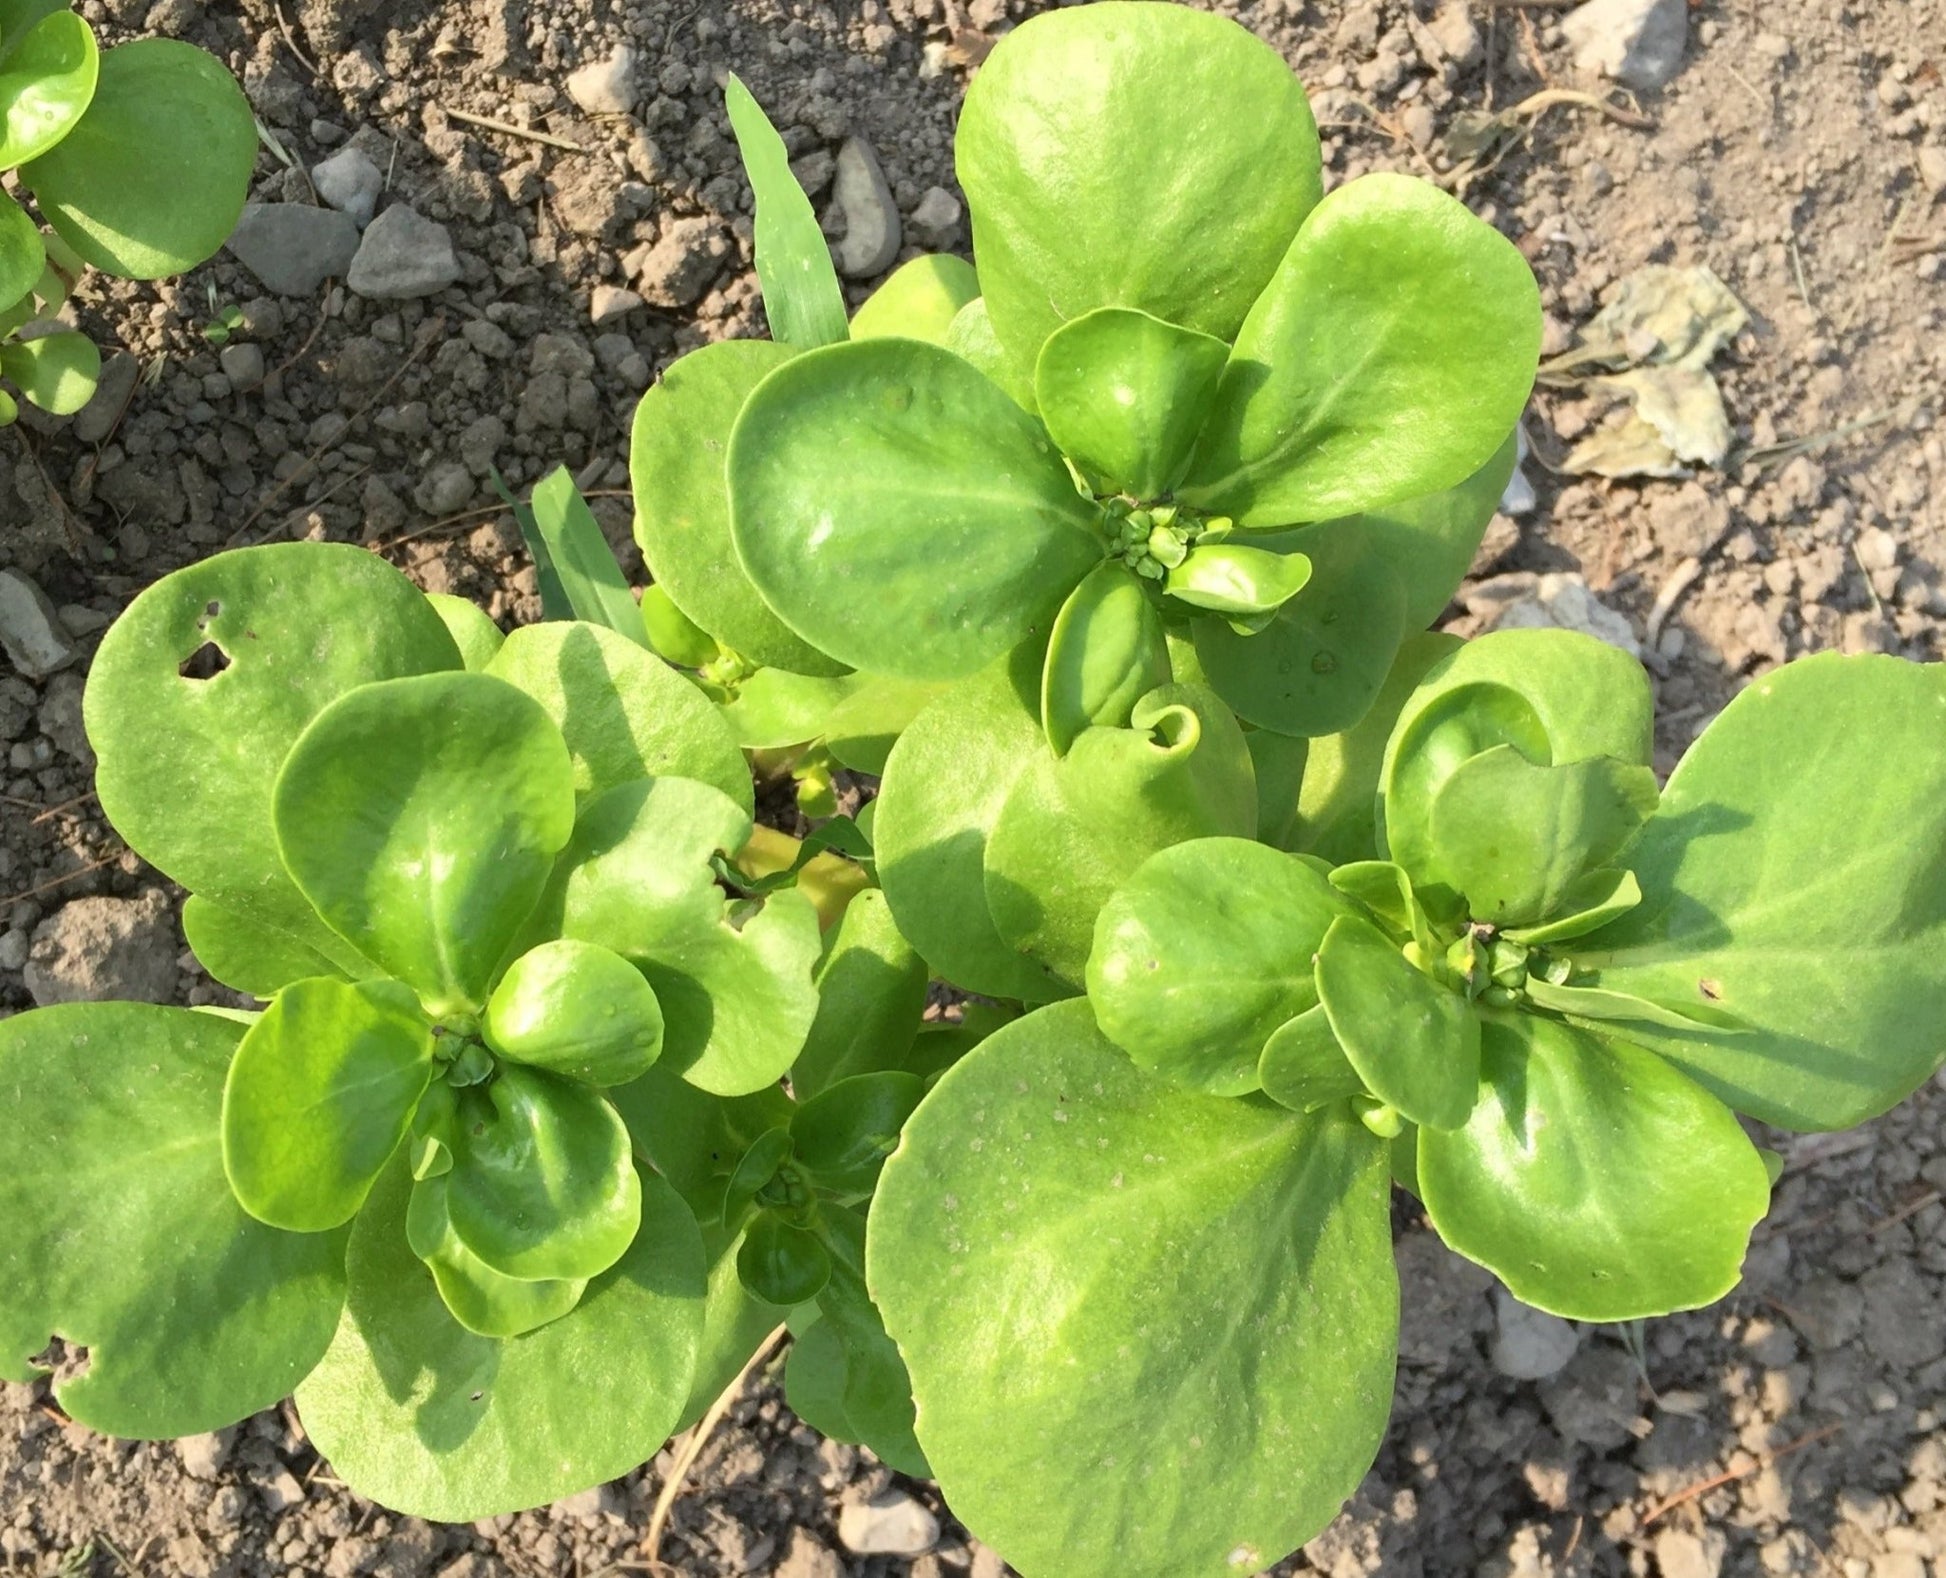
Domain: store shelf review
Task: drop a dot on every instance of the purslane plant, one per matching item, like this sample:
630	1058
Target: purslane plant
1142	1239
139	157
477	882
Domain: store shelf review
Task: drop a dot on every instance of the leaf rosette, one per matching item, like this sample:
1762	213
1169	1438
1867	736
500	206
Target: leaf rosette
481	907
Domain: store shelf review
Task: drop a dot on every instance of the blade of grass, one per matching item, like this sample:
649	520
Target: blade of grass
554	597
802	298
590	578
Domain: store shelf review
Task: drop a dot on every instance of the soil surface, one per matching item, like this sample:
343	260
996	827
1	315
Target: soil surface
1799	153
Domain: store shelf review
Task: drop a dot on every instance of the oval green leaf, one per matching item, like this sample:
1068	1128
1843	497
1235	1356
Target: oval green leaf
1203	953
1073	828
473	632
47	79
894	466
151	180
945	783
187	763
1389	358
918	300
1414	1042
23	256
871	996
678	449
319	1095
1120	155
1124	394
477	1296
1107	652
1595	1180
576	1010
246	955
1304	1068
624	713
434	1421
1794	880
57	372
782	1264
421	818
1058	1229
842	1135
970	337
542	1185
115	1163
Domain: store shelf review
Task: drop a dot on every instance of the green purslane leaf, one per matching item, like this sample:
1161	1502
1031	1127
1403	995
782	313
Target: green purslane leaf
918	301
1105	653
478	1297
802	297
475	635
1514	837
861	730
1124	395
1203	953
877	1395
542	1184
736	1324
775	708
576	1010
1555	695
48	72
1139	156
624	713
841	1136
187	764
1337	803
244	954
755	1170
23	256
1389	358
114	1166
871	996
1595	1180
434	1421
782	1264
1279	761
894	465
694	1139
1234	579
1319	662
1590	901
421	818
677	453
57	372
321	1092
970	337
1073	828
1805	909
1058	1231
150	181
945	784
1414	1042
737	1000
1430	542
1304	1068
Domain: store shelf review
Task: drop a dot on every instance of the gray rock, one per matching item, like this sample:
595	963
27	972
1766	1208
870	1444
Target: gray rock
281	1492
203	1456
100	949
890	1524
30	630
1639	43
608	303
935	222
679	267
1528	1344
243	365
446	487
1904	1322
606	87
350	183
97	419
805	1557
293	248
60	717
872	232
1593	1400
14	946
588	1504
404	256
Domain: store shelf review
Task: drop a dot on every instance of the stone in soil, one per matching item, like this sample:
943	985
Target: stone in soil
935	223
97	950
242	364
30	631
293	248
404	256
872	232
682	264
1639	43
890	1524
605	87
350	183
1529	1344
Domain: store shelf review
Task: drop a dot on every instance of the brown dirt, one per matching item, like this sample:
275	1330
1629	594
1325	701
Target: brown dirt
1787	156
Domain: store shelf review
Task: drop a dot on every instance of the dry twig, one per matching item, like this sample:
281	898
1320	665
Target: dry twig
1718	1481
507	128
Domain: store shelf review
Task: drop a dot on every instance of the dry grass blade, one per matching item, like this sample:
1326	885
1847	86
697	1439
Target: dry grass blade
508	129
1718	1481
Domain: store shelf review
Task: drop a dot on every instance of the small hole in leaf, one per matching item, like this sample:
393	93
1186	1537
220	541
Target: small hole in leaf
206	662
212	608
